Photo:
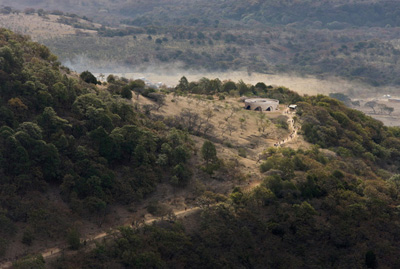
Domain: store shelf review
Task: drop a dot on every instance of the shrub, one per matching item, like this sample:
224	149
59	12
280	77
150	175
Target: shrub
73	239
126	93
242	152
88	77
27	237
208	151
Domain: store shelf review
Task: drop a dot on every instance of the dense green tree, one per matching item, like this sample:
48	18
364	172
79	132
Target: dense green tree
111	78
27	237
228	86
208	151
126	93
261	85
242	87
51	122
183	84
370	259
47	157
88	77
16	156
180	154
181	175
137	84
73	239
32	129
85	103
159	99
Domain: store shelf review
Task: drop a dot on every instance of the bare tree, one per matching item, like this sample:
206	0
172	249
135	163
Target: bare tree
189	119
208	113
148	108
159	99
205	126
371	104
138	92
193	122
389	110
382	107
230	128
242	121
208	127
232	112
262	122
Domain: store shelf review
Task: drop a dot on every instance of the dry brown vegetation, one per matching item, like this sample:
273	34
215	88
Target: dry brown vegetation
389	120
38	27
234	128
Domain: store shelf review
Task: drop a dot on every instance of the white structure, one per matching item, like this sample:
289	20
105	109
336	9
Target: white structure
293	107
261	104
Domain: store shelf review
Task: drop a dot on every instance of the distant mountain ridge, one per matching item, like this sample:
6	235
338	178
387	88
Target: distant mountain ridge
356	40
354	13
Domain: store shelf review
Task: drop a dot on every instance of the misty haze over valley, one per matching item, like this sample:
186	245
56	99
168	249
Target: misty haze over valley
199	134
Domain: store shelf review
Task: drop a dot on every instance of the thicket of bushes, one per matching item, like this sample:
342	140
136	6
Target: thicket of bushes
57	131
312	210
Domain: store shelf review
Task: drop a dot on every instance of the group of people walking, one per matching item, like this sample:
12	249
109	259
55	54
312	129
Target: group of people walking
291	136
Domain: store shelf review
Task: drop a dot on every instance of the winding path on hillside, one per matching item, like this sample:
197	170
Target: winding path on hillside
89	243
292	129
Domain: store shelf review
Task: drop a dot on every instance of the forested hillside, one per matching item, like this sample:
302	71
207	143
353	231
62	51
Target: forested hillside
71	147
315	208
337	13
61	134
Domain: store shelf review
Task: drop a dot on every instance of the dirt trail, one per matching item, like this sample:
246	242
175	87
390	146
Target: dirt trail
89	242
293	130
292	137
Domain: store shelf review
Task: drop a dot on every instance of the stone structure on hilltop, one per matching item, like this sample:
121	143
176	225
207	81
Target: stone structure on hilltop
261	104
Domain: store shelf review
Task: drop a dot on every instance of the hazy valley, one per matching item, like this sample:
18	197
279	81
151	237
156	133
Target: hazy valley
133	145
